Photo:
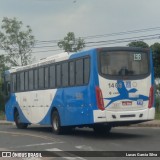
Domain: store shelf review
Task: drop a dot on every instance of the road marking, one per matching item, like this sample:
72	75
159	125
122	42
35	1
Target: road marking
65	155
39	144
84	147
31	135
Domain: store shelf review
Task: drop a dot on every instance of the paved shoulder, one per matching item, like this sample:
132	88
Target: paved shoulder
154	123
4	122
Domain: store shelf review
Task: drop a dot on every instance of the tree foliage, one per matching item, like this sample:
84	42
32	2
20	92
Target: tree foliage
16	42
2	63
156	54
71	44
138	44
156	58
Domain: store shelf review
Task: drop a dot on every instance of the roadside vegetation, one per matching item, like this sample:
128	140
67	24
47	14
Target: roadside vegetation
2	115
2	104
157	101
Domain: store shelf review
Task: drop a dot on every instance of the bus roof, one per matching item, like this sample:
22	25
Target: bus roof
65	56
41	62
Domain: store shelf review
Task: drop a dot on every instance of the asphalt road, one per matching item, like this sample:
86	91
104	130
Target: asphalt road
37	138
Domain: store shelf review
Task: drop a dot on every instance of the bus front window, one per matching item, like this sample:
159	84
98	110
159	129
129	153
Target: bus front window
123	63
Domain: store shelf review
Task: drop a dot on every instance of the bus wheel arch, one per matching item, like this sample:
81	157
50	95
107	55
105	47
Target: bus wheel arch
55	121
19	125
15	110
53	110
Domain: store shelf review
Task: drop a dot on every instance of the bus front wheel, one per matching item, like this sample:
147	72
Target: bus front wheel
17	121
56	124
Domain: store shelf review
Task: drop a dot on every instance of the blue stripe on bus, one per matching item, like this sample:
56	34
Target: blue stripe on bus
86	105
76	111
124	94
10	107
152	75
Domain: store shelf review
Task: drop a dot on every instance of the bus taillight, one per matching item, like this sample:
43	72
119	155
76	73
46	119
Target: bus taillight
99	98
151	94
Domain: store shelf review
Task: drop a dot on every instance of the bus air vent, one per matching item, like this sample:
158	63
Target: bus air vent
127	116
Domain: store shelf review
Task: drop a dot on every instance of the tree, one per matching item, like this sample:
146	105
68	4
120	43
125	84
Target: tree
16	42
138	44
156	54
156	58
71	44
2	63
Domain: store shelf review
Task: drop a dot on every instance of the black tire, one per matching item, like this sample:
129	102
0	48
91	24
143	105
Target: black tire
56	123
102	129
18	123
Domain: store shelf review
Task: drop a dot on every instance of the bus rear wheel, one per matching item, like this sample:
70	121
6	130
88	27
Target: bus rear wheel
19	125
56	124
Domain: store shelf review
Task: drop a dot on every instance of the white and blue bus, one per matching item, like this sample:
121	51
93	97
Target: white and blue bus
99	88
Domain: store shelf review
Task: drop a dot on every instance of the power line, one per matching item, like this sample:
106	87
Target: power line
124	41
103	41
114	40
46	51
107	35
111	41
123	33
45	46
142	38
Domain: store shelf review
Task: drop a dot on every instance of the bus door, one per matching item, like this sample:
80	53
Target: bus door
6	85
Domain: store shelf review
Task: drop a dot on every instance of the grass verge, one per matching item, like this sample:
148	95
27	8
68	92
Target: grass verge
2	115
157	116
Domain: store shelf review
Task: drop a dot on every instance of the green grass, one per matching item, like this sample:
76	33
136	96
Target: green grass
157	116
2	115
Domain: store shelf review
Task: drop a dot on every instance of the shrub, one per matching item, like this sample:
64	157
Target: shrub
2	102
157	103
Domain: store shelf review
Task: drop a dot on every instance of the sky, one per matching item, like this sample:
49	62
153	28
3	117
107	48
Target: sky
53	19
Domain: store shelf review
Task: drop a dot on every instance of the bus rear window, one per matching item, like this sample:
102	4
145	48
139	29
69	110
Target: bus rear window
124	63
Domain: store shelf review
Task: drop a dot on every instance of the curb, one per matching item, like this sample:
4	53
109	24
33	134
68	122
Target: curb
152	123
155	123
4	122
145	125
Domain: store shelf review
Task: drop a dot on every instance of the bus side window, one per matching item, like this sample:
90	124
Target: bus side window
26	80
86	70
58	75
18	82
41	78
52	80
71	73
35	79
14	83
46	82
22	81
79	72
65	74
31	80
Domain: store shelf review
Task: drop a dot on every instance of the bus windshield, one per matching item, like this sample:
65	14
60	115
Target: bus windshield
123	63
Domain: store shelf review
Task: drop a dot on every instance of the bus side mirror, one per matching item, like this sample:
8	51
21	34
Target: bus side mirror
8	89
3	87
